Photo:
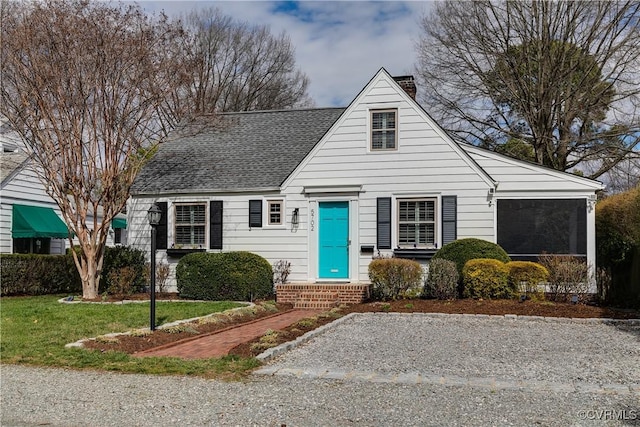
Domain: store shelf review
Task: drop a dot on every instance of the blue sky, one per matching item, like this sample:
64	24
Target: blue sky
340	45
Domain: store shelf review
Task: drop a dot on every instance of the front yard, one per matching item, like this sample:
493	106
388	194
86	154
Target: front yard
34	330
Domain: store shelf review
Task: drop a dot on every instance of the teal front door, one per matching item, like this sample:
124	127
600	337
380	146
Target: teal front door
333	218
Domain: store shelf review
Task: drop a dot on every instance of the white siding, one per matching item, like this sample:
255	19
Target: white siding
271	242
24	188
425	164
518	176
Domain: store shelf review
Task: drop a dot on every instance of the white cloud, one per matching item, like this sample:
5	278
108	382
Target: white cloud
339	45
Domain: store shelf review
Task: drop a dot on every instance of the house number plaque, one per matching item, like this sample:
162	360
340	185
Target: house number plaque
312	219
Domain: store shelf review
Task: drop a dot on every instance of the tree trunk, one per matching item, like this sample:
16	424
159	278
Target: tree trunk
90	269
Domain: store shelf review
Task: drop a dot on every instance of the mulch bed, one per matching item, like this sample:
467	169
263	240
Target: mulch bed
129	344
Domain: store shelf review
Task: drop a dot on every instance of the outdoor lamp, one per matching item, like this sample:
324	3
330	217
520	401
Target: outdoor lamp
153	215
294	217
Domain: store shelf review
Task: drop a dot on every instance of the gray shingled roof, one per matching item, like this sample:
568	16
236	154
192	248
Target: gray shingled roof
235	151
10	163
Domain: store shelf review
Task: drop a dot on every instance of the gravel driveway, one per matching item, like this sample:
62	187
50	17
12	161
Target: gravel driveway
370	370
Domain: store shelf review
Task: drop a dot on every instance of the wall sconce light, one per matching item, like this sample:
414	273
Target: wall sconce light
294	217
490	194
591	202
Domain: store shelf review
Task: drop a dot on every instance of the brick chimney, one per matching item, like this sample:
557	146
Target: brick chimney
408	84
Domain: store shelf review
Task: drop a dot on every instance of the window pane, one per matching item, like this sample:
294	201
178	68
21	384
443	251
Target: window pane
190	235
377	141
416	226
190	214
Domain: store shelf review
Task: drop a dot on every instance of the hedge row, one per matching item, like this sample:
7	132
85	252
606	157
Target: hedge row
618	248
31	274
239	276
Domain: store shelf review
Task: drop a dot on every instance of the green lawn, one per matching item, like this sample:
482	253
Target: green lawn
34	330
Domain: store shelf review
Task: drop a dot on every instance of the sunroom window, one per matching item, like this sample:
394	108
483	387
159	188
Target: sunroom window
190	224
383	130
416	223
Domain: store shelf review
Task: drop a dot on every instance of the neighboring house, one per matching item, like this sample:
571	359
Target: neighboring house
30	220
328	189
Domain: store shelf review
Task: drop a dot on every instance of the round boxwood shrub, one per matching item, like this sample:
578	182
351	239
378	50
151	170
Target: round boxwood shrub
240	276
463	250
486	278
526	276
442	280
392	278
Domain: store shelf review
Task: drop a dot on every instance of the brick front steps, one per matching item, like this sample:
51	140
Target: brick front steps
321	296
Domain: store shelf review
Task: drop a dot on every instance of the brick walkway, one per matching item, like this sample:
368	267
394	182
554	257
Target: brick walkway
219	343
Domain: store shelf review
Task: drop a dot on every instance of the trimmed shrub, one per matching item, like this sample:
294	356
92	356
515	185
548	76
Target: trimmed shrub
568	275
526	276
391	278
30	274
239	276
442	280
486	278
115	259
463	250
618	247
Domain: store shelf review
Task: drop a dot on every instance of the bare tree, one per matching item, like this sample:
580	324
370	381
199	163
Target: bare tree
89	87
235	66
560	76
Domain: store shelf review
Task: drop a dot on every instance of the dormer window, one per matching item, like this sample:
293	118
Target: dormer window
384	130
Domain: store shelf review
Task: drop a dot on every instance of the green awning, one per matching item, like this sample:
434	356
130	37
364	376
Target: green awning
34	221
119	223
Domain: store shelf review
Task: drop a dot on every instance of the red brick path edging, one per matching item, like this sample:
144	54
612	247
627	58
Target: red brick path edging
219	343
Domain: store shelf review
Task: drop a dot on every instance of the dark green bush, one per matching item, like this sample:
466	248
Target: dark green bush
442	280
392	278
117	258
464	250
30	274
222	276
486	278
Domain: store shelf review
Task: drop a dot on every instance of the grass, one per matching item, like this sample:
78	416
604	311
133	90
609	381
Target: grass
34	330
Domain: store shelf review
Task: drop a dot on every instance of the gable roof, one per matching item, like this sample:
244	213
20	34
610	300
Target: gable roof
11	164
383	74
245	151
493	162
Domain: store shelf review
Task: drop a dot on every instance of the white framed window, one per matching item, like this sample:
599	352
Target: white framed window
384	130
275	212
190	224
417	223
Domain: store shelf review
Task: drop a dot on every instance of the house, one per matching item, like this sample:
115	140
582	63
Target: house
327	189
30	220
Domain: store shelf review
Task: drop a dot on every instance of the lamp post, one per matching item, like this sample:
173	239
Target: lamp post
153	215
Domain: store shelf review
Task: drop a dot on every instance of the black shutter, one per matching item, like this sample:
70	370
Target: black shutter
255	213
384	223
161	228
215	224
449	219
